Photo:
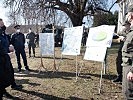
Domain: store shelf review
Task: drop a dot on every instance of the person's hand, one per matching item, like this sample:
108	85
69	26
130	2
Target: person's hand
11	54
11	48
122	38
130	76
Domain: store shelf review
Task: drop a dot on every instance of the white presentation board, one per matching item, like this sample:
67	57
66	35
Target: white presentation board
46	43
72	40
100	36
95	53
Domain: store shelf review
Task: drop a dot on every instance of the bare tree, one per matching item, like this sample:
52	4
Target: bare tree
46	10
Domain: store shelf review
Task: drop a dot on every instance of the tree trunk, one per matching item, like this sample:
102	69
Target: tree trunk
76	20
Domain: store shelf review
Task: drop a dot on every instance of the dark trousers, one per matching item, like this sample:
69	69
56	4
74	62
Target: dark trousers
12	70
9	79
23	54
127	86
2	90
119	60
33	49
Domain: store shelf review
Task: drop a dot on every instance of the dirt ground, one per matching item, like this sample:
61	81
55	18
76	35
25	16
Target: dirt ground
62	85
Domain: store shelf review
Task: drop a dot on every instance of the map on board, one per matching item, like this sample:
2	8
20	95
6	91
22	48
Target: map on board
46	42
72	40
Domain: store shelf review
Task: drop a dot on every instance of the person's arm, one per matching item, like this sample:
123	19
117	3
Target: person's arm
23	38
122	33
27	36
12	39
3	52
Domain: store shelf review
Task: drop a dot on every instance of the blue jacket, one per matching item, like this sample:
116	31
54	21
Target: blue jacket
4	41
6	73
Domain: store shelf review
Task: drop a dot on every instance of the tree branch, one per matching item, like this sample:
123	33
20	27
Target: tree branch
113	5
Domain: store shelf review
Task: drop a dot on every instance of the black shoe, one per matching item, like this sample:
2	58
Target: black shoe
7	95
19	70
118	80
28	69
16	87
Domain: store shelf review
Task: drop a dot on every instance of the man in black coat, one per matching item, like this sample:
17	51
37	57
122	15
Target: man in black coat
31	44
18	41
6	71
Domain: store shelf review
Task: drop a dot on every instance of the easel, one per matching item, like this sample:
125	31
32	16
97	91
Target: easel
78	72
55	69
76	64
103	68
76	68
103	71
72	50
41	65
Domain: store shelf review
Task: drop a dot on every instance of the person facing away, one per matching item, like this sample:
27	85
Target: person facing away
127	59
18	41
31	42
119	67
7	71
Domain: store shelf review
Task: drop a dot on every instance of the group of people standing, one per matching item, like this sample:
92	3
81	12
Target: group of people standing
16	43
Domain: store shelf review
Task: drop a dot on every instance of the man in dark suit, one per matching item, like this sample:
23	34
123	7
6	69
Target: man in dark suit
18	41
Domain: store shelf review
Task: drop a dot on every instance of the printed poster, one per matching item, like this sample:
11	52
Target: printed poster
95	53
100	36
72	40
46	43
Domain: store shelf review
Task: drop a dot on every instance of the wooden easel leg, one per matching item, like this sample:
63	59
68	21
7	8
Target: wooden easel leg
41	66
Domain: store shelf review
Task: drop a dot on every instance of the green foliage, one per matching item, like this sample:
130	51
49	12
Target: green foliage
105	19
